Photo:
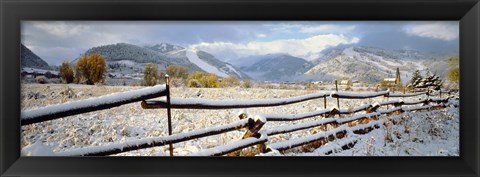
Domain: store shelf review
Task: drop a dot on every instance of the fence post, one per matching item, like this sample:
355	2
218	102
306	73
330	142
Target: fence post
169	113
325	101
338	100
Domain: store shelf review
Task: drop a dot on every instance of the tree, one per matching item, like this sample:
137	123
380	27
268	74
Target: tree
454	72
430	81
90	69
150	75
415	77
66	72
175	71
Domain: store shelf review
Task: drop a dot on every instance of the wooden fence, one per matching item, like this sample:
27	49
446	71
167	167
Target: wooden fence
254	135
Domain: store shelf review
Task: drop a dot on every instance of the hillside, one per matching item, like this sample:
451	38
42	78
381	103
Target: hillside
276	67
31	60
371	65
128	60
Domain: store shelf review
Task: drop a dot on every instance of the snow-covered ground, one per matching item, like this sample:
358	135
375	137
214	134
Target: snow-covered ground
415	134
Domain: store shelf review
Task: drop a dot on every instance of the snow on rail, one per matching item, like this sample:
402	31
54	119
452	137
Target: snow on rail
390	110
354	110
199	103
334	146
418	108
283	145
358	95
370	124
415	102
88	105
391	102
299	126
406	95
291	117
115	148
227	148
356	117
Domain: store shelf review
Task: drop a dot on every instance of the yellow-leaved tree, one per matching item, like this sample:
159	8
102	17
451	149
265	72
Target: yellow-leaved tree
66	72
90	69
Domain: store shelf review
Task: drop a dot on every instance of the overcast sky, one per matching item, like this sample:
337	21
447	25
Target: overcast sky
55	41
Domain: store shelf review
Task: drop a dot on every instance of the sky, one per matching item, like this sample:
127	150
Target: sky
56	41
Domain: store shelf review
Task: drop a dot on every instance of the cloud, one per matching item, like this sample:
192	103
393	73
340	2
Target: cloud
295	47
446	31
327	29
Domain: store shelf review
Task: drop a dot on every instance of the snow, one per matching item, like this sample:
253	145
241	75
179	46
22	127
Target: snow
290	117
37	149
40	71
417	108
131	123
157	140
405	95
390	110
92	102
333	146
300	141
244	103
193	57
390	102
234	70
358	116
356	109
232	146
414	102
298	126
358	95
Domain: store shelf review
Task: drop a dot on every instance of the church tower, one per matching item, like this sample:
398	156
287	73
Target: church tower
397	77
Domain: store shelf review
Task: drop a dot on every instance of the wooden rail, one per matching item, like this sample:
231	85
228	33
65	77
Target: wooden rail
89	105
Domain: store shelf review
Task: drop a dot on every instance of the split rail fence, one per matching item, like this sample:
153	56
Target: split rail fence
254	136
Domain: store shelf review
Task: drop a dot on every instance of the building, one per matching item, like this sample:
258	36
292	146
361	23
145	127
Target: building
393	81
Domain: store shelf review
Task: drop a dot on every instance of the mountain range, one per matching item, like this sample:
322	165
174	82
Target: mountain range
367	64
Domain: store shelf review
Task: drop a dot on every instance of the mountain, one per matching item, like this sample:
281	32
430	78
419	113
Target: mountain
274	67
209	63
372	65
128	59
164	47
31	60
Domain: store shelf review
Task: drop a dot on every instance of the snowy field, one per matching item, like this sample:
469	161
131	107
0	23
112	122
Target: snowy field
433	133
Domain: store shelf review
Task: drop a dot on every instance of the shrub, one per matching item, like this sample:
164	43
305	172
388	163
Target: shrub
150	75
454	72
90	69
230	81
66	72
247	84
41	79
206	80
194	83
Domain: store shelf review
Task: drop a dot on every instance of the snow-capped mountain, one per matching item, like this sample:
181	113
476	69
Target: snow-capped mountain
164	47
209	63
372	65
31	60
128	59
273	67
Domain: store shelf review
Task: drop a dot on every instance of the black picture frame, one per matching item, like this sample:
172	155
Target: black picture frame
14	11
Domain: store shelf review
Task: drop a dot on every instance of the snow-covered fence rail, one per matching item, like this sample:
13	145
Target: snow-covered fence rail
197	103
115	148
88	105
